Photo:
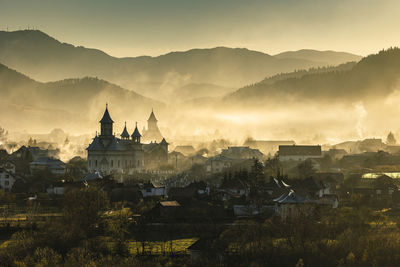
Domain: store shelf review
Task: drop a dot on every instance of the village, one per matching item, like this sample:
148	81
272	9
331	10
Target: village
187	187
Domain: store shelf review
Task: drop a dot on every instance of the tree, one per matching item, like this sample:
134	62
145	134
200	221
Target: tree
118	227
272	167
305	169
326	163
77	167
257	176
391	140
82	209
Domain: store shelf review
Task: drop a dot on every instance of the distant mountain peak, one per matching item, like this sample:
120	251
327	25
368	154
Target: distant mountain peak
46	59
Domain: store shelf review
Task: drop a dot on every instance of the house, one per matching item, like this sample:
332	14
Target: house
376	188
394	149
193	190
7	179
371	145
384	186
241	152
56	189
197	159
275	187
267	147
55	166
219	163
92	176
155	154
22	153
292	204
234	188
177	159
335	153
8	166
166	211
38	152
196	250
185	150
299	153
201	187
151	189
204	247
330	180
312	187
351	147
61	187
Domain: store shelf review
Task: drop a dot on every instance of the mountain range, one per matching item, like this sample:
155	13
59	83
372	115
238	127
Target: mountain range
373	77
209	72
69	103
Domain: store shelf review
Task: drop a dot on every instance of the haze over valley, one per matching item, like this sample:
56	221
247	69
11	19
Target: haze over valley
236	92
194	79
199	133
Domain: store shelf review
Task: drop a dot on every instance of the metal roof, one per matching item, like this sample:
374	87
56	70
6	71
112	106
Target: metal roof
125	133
106	117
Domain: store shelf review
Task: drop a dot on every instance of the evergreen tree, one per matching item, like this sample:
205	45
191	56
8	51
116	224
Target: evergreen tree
391	140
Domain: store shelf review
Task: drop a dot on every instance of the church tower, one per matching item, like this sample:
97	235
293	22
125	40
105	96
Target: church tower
152	122
136	136
125	134
106	124
153	132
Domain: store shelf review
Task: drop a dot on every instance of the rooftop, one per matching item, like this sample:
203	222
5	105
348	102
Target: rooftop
295	150
106	117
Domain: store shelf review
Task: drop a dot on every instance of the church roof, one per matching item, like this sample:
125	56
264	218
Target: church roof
115	144
92	176
164	142
150	148
106	117
136	132
296	150
152	117
125	133
291	198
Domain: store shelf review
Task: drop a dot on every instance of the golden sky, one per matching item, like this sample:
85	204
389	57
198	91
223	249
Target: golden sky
147	27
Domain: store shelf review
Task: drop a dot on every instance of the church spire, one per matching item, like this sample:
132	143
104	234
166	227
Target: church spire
136	135
125	134
106	117
152	117
106	124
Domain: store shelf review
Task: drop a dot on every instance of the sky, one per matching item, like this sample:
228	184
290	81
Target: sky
152	27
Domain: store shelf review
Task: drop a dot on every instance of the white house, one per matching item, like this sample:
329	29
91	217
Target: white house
58	189
299	153
151	189
8	166
7	179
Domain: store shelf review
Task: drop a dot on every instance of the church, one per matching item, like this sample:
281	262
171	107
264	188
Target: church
152	133
109	154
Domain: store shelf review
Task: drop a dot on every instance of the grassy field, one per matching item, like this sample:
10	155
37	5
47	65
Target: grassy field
177	246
